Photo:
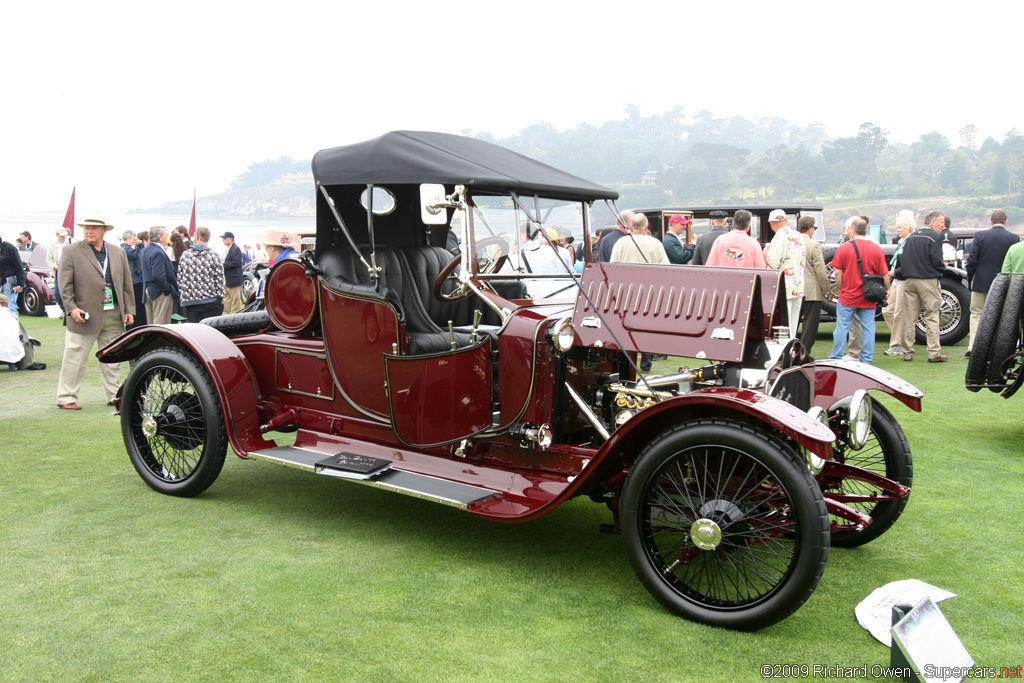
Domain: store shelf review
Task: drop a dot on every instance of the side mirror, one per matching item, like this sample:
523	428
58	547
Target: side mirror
432	204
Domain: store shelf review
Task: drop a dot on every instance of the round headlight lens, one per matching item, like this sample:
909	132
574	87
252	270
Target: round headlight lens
860	419
562	334
545	437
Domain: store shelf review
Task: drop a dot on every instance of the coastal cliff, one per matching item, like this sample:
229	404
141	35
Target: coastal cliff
279	199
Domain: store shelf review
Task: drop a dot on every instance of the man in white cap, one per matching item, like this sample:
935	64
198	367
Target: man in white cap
788	253
53	254
96	285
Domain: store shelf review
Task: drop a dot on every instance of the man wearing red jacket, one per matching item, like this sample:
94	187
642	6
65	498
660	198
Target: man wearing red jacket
851	289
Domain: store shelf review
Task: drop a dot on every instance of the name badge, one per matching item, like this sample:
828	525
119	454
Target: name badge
108	299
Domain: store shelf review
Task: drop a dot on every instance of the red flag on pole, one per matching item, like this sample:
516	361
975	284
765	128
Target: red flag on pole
192	222
69	217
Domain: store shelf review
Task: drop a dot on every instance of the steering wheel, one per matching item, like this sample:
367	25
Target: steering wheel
443	276
487	260
490	266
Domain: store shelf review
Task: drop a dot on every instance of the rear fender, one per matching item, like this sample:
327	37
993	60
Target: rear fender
836	379
748	406
228	369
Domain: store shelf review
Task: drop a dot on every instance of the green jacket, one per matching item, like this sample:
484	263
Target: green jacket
1013	262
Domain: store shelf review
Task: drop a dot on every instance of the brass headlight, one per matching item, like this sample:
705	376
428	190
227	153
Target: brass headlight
562	334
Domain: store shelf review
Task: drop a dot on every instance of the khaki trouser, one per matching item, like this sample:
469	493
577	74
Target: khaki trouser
894	315
922	294
77	348
232	299
978	300
159	310
855	343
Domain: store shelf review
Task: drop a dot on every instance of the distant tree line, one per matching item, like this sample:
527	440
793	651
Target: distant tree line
266	172
665	159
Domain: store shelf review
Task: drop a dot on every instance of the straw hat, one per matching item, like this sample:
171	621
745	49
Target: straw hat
97	221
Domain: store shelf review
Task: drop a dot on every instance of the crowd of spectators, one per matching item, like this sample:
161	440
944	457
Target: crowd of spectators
157	275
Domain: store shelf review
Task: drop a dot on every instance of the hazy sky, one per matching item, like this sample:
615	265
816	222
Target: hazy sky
140	103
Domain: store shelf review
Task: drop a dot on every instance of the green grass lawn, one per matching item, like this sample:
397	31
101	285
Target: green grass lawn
275	574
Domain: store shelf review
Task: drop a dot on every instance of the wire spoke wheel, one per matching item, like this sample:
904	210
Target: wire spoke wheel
886	453
723	526
172	423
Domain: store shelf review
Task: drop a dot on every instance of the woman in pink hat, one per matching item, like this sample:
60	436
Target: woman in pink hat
279	244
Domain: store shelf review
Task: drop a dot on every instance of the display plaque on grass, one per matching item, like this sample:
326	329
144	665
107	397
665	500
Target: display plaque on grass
925	647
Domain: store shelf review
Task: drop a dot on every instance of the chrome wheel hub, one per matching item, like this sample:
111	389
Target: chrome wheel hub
705	534
149	426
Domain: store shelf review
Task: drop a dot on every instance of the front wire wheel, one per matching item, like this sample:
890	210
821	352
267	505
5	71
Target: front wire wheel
723	525
172	423
886	453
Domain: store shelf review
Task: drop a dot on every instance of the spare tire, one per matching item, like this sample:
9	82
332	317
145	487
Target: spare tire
981	348
238	324
1007	332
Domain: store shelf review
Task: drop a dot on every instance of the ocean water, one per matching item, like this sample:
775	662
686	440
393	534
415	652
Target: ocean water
43	225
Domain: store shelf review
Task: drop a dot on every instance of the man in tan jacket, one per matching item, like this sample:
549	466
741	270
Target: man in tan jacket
96	285
816	284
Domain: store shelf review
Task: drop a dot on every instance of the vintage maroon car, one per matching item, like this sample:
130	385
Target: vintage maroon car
498	381
38	290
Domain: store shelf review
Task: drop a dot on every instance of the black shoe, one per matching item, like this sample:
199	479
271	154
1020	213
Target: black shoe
967	355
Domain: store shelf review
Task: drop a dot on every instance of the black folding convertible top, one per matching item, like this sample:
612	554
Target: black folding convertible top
407	157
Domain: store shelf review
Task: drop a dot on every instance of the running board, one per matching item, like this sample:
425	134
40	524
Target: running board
378	473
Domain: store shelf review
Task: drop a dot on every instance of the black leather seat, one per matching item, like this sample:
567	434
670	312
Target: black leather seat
406	282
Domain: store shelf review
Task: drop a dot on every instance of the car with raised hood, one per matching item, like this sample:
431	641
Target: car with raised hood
498	381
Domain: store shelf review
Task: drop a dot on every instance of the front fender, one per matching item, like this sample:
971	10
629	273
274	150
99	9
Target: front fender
228	369
835	379
721	402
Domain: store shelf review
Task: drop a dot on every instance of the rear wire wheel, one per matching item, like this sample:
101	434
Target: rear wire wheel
723	525
172	423
887	453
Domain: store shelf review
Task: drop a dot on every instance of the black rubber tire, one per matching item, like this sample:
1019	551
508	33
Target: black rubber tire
186	453
981	348
887	452
31	301
769	510
1007	336
238	324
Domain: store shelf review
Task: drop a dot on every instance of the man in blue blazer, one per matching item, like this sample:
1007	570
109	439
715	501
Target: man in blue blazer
159	284
985	260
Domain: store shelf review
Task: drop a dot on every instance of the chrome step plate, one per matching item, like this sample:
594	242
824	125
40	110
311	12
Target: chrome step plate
413	484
